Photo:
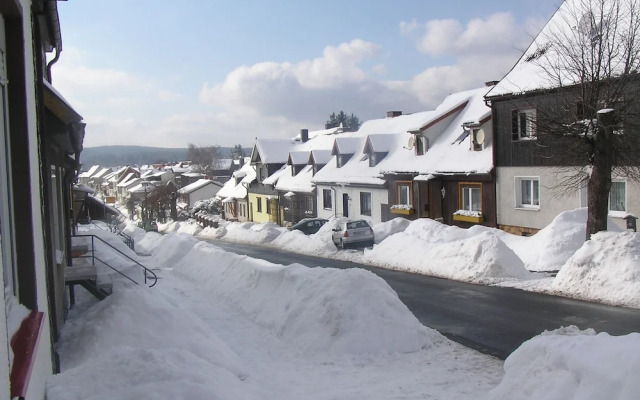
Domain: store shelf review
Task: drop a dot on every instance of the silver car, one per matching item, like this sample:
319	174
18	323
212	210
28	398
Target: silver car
352	233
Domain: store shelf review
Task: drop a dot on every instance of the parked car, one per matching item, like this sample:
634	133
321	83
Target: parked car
309	226
353	233
148	226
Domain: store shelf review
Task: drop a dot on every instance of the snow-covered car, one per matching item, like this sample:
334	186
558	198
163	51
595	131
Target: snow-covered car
309	226
352	233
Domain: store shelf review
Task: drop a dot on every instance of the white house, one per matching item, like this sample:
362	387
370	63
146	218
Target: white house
201	189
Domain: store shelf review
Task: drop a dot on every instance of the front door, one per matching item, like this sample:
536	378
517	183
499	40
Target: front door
345	205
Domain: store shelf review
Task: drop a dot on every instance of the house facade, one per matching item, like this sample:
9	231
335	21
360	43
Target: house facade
202	189
536	181
42	138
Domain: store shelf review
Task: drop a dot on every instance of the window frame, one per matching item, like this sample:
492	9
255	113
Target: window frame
364	196
309	203
624	194
519	195
462	187
327	199
409	185
259	201
528	124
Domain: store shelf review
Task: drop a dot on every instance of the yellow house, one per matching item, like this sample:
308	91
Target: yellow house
264	207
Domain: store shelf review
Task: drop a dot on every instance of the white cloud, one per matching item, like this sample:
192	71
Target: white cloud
497	34
270	99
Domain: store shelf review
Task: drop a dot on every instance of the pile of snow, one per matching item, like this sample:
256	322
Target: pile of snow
552	246
605	269
385	229
571	364
172	248
313	309
136	344
474	255
253	232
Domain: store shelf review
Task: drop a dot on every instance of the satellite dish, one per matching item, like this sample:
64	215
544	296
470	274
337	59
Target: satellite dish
412	142
479	136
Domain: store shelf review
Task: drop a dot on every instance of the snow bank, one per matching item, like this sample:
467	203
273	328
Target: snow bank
572	364
552	246
605	269
148	243
314	309
117	347
385	229
429	247
252	232
173	247
298	242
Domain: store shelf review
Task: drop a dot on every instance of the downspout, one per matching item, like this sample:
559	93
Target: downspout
335	202
50	64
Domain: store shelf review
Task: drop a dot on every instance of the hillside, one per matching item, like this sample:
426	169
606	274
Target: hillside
113	156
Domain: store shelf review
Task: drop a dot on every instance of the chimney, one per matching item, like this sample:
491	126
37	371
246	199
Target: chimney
304	135
393	114
491	83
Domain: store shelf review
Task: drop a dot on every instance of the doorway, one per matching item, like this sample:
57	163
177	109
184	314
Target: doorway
345	205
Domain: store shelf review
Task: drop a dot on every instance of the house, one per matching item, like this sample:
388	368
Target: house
445	171
399	166
534	181
234	193
200	190
283	192
39	161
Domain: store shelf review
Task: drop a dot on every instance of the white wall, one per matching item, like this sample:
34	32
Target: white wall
206	192
552	202
378	196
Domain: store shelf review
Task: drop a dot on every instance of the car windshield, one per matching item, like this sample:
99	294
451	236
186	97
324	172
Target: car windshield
357	224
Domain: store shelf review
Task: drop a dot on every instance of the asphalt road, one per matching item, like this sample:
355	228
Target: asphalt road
493	320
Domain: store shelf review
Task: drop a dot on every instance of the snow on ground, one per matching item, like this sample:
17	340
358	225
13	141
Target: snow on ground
478	254
219	325
606	268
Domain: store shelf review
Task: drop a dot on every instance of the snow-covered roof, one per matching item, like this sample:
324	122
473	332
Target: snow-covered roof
441	126
319	157
90	172
447	153
238	190
273	178
298	158
200	183
102	173
301	182
272	151
547	63
193	174
127	179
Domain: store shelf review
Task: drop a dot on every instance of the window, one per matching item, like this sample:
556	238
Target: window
259	204
618	196
403	193
326	199
309	203
268	210
422	145
527	192
365	203
471	197
523	124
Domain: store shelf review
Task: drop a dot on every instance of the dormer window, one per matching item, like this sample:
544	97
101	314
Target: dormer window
422	144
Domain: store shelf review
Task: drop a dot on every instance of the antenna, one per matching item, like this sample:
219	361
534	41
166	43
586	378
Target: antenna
412	142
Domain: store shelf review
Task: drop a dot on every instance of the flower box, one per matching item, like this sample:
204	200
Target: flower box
402	211
468	218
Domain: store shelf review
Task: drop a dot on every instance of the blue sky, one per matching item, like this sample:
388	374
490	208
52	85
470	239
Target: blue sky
169	73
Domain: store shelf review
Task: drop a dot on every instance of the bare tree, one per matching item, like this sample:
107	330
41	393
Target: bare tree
590	57
205	158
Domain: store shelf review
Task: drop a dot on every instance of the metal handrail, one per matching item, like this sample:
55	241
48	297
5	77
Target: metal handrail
147	272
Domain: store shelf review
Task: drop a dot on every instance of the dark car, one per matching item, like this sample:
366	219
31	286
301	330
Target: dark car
309	226
353	233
